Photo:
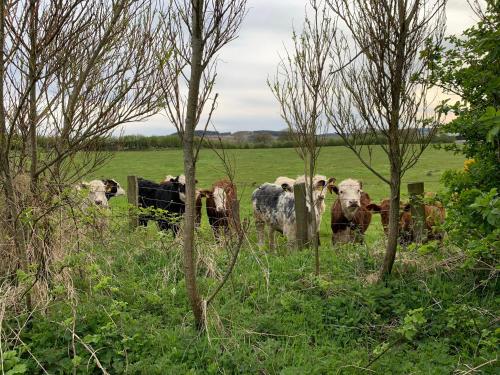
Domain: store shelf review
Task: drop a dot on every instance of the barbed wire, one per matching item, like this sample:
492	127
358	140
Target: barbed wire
237	182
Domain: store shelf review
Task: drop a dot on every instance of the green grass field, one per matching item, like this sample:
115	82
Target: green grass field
256	166
129	305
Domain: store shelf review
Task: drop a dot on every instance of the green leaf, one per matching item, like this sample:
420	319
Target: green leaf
20	368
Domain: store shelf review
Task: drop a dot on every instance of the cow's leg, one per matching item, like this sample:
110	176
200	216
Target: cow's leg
260	227
163	225
175	229
271	239
289	232
340	237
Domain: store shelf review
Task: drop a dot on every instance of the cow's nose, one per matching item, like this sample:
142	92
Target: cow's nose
99	203
353	204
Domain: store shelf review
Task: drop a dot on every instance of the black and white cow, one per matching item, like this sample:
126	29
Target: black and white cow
275	207
168	196
101	191
112	189
198	198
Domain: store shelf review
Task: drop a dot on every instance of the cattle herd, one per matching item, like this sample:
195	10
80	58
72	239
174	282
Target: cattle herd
273	206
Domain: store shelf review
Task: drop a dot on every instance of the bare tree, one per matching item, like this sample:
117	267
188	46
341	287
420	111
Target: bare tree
300	76
376	90
72	71
197	30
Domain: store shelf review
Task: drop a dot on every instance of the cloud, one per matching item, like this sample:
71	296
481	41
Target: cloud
245	101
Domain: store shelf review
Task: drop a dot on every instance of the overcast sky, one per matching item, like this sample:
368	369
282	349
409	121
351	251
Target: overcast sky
245	101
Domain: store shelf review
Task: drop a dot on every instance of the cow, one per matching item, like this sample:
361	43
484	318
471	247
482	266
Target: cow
275	207
285	182
434	216
198	197
220	202
112	188
101	191
168	178
351	212
168	196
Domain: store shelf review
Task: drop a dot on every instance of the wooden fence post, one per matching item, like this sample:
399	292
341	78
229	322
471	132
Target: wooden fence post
416	193
133	200
301	216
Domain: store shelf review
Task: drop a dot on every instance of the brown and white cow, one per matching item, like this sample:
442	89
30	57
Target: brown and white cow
220	201
351	212
434	216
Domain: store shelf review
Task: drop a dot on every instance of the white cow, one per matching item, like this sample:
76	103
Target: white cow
101	191
96	193
349	194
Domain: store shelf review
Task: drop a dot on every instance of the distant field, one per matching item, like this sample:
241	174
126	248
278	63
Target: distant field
256	166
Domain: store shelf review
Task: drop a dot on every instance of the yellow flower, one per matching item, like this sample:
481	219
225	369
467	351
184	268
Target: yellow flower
468	163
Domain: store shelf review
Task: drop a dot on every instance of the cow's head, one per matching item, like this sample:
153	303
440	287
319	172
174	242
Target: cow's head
405	219
286	183
96	192
168	178
320	184
349	194
112	188
178	185
287	187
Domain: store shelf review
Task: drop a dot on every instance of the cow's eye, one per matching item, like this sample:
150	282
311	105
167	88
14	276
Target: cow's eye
341	191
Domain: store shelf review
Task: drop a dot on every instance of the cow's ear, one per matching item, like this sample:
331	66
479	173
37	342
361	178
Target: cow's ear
205	193
331	184
407	207
195	181
374	207
320	184
333	189
361	185
84	185
286	187
108	185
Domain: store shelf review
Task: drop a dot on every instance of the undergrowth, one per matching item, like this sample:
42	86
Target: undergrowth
127	312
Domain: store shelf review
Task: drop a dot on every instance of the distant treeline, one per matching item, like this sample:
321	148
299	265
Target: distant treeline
140	142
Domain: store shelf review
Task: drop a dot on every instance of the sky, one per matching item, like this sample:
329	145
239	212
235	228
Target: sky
245	101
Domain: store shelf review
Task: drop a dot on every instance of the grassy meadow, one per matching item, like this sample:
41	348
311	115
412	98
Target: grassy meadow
123	306
256	166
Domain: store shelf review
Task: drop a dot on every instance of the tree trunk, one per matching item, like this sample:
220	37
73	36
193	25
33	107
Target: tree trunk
190	163
32	98
392	240
312	216
8	186
395	184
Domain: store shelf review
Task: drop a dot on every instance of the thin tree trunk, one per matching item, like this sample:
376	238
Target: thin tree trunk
32	98
189	163
8	186
313	223
392	240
